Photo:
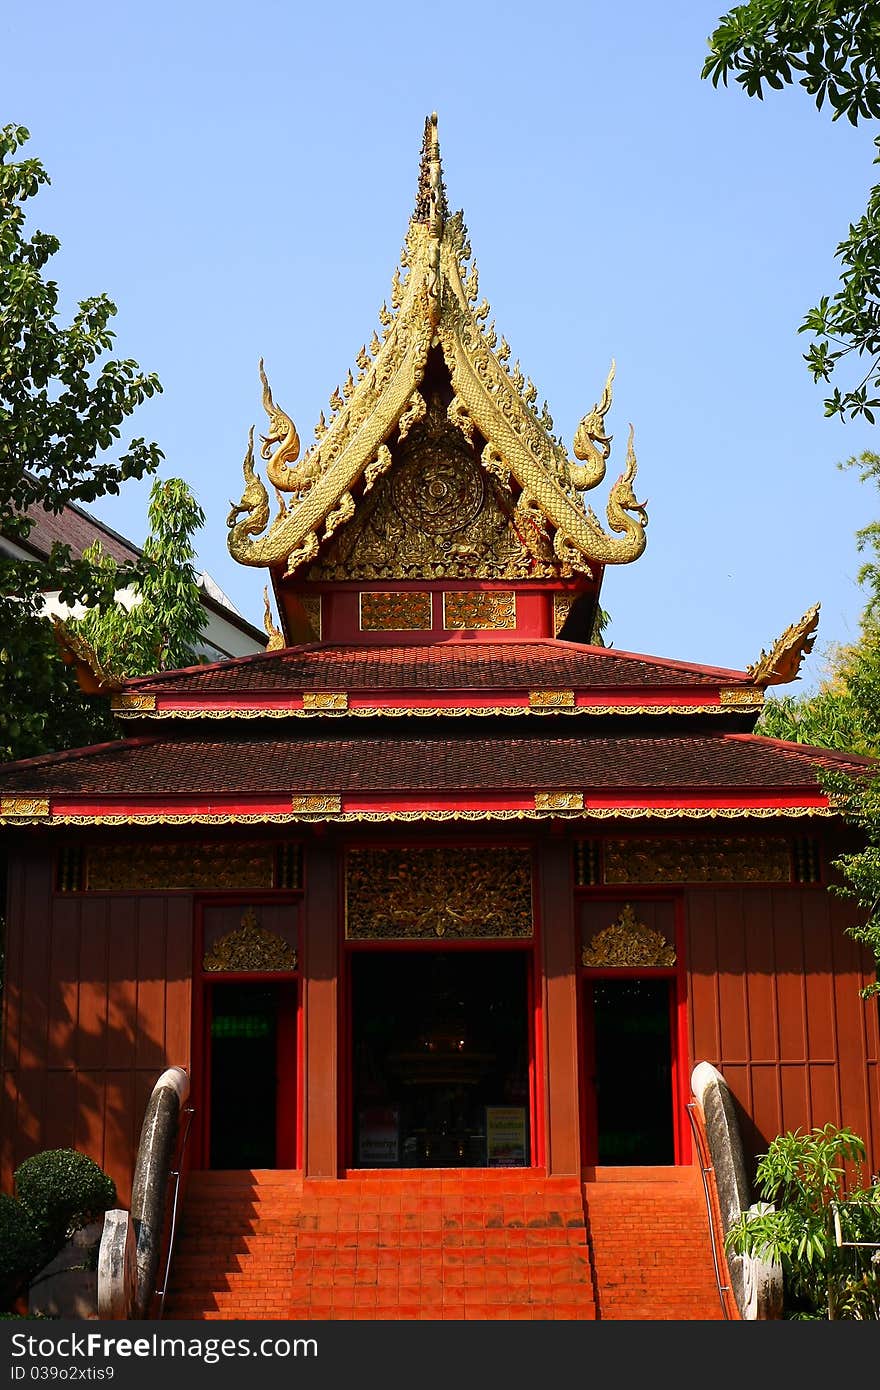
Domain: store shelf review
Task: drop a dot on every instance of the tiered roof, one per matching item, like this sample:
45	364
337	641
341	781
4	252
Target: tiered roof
558	728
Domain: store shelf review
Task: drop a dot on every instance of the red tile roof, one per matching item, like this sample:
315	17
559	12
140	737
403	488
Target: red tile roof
193	767
77	528
525	664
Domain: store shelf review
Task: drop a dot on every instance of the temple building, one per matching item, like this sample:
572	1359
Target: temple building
438	901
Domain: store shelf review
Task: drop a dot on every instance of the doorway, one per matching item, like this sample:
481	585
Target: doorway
440	1059
252	1070
629	1050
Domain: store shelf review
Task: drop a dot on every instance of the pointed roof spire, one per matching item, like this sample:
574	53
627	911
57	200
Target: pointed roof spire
431	195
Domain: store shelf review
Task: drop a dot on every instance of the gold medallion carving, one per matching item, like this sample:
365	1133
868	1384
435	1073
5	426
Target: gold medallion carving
628	942
250	947
116	868
24	806
452	893
128	700
316	802
741	695
559	801
325	699
551	699
395	612
488	612
715	860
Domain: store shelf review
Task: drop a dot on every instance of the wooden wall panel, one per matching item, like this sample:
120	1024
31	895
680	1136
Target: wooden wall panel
796	1043
760	995
702	967
97	1005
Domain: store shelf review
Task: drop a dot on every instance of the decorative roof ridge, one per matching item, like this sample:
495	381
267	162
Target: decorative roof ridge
808	752
70	755
432	306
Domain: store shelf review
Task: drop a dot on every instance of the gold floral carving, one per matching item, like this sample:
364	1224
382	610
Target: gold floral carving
628	942
115	868
562	606
131	703
437	515
741	695
433	304
311	604
325	699
730	860
485	611
559	801
551	699
451	893
250	947
24	806
316	804
395	612
783	662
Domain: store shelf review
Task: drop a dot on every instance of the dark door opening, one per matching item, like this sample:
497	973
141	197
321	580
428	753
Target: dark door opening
629	1062
252	1037
440	1049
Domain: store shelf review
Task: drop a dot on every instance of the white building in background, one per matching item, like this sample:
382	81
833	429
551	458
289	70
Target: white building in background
225	634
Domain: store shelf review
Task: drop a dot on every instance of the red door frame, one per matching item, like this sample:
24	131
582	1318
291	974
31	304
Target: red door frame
289	1032
677	977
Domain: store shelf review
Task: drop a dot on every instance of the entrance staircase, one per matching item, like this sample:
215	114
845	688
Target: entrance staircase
441	1244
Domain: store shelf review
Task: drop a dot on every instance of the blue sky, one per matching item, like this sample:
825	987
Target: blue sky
238	178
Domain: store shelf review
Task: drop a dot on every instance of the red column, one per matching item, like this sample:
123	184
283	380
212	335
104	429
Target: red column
321	1070
556	898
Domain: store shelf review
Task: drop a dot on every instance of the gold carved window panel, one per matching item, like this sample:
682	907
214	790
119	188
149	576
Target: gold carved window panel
487	612
453	894
119	869
389	611
727	859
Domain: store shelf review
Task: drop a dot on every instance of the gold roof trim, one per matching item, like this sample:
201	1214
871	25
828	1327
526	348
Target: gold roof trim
783	662
433	306
59	818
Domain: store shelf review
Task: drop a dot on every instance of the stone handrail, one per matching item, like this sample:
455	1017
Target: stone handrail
756	1284
128	1258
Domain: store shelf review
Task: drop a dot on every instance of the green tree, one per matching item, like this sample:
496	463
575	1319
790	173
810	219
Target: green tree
160	628
845	713
831	48
62	404
815	1185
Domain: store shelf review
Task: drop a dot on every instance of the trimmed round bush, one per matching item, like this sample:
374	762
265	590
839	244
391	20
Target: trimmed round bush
21	1249
62	1190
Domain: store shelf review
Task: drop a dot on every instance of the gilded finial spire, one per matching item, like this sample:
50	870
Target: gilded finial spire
431	195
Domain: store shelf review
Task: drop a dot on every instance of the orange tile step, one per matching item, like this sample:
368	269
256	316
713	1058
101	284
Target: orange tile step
434	1243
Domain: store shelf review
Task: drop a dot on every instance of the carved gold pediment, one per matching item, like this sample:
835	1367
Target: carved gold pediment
628	942
250	947
454	893
501	433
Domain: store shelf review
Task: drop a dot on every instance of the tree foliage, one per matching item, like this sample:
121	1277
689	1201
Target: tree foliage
811	1184
158	629
845	713
62	405
831	48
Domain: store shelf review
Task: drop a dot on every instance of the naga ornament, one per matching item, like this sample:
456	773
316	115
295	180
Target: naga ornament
783	662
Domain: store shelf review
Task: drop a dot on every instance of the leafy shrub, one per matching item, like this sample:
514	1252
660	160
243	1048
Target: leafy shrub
21	1248
824	1226
62	1190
